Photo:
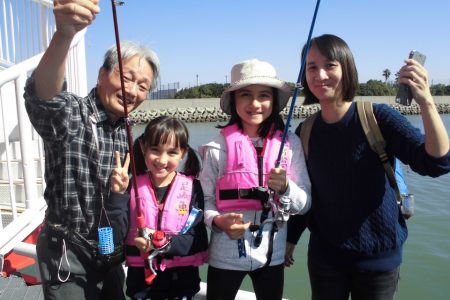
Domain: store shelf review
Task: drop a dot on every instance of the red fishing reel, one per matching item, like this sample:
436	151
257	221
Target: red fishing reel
160	242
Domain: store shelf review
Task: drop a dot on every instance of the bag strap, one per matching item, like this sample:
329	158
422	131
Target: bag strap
305	132
376	141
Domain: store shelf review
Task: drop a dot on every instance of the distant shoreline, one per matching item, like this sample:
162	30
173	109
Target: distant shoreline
208	110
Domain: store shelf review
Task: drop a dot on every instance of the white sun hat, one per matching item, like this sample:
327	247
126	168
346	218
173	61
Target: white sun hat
254	71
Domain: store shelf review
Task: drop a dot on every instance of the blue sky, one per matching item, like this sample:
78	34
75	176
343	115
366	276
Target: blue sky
205	38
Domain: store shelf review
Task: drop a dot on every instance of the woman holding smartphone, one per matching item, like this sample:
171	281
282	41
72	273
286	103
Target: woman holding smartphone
357	230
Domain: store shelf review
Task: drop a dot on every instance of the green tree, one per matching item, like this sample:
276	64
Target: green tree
210	90
438	89
375	88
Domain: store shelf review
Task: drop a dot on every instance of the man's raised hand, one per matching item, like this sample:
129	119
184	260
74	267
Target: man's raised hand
72	16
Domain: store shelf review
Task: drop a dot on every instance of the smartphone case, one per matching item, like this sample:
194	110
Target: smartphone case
404	95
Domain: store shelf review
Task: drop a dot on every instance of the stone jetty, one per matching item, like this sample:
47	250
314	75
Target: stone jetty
215	114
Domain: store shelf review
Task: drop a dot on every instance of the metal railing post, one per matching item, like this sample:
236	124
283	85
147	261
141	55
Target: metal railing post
26	146
12	194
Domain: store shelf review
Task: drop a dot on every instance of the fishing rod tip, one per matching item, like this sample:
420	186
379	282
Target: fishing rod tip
299	86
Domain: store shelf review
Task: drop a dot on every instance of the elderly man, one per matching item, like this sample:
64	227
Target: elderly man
81	135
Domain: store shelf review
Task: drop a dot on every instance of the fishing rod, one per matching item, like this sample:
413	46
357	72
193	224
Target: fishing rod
149	272
140	216
297	86
282	214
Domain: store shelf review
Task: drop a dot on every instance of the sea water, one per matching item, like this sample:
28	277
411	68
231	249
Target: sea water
426	260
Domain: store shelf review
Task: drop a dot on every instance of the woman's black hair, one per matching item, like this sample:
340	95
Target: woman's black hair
266	125
159	131
334	48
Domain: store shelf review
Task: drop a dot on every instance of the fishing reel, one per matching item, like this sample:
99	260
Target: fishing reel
161	244
282	213
281	216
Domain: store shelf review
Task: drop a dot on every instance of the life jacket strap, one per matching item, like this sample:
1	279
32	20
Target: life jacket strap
256	193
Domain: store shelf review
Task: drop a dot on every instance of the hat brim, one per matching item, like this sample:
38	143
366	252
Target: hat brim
284	91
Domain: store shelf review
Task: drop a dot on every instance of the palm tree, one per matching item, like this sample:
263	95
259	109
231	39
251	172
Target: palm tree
386	74
397	76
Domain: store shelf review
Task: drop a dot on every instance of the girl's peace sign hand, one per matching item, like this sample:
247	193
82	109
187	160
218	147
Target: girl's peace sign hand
119	176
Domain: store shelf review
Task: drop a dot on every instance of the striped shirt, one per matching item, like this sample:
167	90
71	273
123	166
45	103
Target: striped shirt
79	156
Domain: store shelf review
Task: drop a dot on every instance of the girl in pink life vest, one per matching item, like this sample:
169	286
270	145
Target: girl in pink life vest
172	203
238	170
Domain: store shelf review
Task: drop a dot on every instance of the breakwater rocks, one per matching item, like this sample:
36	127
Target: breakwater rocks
215	114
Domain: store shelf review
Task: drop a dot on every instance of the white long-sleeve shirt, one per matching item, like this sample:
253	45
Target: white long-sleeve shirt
223	252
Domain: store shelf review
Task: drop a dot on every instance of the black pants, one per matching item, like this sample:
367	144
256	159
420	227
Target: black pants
224	284
84	282
170	284
330	283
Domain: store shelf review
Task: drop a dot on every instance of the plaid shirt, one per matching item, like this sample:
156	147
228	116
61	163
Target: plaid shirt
76	170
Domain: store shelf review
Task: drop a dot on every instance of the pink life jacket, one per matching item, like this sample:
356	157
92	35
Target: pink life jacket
235	189
175	213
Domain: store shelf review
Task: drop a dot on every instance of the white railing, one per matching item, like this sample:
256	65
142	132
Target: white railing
21	152
26	27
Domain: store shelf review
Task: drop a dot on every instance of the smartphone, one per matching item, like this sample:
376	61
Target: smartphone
404	95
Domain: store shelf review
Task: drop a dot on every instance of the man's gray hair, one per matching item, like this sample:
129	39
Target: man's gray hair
128	50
